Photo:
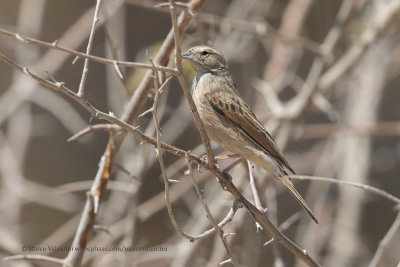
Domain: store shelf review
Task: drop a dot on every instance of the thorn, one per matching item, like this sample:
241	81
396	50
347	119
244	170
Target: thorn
258	227
228	235
269	242
60	85
103	228
96	199
26	71
224	262
117	69
146	112
75	60
72	138
19	37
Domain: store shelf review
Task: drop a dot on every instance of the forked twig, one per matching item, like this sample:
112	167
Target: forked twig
200	194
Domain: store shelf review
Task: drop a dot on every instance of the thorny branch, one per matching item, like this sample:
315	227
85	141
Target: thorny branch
81	89
200	194
160	157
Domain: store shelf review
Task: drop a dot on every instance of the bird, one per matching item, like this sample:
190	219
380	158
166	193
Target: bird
230	122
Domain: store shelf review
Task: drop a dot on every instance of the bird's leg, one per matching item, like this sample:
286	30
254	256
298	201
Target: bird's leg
230	167
220	158
227	169
224	157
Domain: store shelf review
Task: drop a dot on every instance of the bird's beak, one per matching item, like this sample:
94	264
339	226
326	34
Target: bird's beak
187	55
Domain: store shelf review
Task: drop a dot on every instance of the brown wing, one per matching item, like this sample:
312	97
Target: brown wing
238	112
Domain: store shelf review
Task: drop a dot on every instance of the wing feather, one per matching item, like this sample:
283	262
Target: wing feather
239	113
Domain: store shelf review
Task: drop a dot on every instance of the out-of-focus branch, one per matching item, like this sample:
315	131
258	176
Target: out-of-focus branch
326	130
34	258
285	225
254	188
394	229
368	188
362	108
298	104
378	22
90	211
282	54
260	29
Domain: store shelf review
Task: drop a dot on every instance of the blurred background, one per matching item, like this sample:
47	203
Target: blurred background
322	76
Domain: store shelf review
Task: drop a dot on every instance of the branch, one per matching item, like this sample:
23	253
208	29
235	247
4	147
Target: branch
376	260
254	188
56	46
367	188
224	221
160	158
60	87
380	20
178	60
200	194
34	258
81	90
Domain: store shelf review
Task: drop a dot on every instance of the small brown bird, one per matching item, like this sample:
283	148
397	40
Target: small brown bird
229	121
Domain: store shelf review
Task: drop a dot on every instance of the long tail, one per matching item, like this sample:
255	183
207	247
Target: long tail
297	195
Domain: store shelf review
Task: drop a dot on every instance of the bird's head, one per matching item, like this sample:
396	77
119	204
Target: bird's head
205	59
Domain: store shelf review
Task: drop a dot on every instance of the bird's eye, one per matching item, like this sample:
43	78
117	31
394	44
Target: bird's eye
204	53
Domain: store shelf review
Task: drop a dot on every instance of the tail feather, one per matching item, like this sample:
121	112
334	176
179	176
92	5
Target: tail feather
297	195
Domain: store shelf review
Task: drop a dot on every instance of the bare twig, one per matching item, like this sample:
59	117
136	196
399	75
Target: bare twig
286	225
81	90
55	45
178	60
160	158
34	258
395	228
324	130
259	29
367	188
254	188
379	22
200	194
310	87
74	257
223	222
94	128
282	54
